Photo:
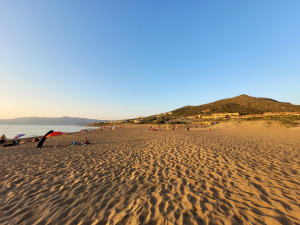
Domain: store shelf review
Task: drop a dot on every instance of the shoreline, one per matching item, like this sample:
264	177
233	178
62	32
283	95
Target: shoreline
32	131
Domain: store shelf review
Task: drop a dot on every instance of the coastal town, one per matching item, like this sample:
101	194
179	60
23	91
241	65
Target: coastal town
202	117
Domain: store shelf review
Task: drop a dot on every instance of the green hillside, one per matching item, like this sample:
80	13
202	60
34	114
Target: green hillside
242	104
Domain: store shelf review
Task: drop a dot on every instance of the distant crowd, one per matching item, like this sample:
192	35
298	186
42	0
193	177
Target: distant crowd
15	142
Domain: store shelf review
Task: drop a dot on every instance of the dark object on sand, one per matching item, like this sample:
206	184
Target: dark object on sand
11	144
3	139
86	141
40	144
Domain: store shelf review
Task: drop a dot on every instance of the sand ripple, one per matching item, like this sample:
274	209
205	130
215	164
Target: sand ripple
129	177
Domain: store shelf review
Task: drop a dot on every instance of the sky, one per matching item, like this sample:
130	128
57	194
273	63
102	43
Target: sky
124	59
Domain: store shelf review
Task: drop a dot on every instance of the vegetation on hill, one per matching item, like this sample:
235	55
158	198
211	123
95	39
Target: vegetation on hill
286	121
242	104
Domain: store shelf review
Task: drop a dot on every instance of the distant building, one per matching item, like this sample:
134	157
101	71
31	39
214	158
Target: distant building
287	113
137	120
269	114
219	115
225	115
233	114
206	117
191	117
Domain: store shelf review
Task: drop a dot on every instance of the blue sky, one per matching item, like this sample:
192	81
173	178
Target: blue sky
123	59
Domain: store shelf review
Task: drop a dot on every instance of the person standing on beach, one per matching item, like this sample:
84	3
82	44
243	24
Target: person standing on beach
176	127
86	141
3	139
187	128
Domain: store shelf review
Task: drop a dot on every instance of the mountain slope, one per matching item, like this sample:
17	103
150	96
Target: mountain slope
242	104
48	121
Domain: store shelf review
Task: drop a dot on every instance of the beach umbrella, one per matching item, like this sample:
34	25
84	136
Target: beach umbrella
40	144
56	133
19	135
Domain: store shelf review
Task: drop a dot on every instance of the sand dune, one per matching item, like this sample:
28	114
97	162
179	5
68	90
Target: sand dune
227	176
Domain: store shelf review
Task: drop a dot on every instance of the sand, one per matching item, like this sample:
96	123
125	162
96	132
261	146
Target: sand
224	176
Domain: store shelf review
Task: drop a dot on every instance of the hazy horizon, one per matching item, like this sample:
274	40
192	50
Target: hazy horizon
120	60
111	119
46	117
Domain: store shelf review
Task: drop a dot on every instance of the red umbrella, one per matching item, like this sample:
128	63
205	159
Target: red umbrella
56	133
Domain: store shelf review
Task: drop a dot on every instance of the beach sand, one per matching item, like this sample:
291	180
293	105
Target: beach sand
224	176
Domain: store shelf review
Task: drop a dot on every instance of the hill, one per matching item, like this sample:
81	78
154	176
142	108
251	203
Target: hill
48	121
242	104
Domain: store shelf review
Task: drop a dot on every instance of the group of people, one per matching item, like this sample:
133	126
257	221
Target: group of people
154	129
176	127
85	142
30	140
158	128
15	142
3	140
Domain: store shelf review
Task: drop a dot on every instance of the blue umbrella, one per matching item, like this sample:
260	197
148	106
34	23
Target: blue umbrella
19	135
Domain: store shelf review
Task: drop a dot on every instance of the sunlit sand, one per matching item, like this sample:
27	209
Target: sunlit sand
224	176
